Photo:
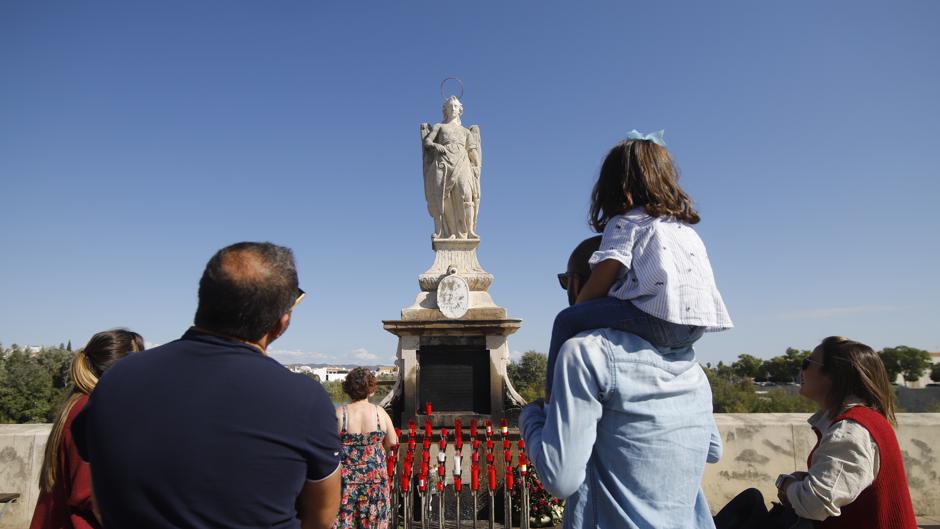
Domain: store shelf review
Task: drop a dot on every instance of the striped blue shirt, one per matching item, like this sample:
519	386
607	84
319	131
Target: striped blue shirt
666	272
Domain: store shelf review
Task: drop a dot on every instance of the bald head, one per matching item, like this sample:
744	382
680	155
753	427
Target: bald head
245	289
578	268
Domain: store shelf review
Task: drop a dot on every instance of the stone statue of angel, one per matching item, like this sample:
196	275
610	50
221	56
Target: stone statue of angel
452	161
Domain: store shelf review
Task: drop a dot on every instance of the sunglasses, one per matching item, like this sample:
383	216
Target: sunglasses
564	278
807	362
300	297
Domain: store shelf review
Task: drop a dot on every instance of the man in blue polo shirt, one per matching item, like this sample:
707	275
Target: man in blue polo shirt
208	431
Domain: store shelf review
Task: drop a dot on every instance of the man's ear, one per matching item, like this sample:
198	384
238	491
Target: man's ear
279	327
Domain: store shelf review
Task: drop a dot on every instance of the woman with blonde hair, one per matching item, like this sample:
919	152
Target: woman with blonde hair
65	498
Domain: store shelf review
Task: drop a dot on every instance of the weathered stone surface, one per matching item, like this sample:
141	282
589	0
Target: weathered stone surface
21	451
759	446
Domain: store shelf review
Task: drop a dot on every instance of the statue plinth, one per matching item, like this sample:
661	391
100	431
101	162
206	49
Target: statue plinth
454	257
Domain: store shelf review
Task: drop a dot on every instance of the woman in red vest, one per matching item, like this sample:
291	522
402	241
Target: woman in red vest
65	500
855	474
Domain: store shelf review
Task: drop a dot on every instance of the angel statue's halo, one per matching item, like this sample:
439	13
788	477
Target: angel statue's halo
451	79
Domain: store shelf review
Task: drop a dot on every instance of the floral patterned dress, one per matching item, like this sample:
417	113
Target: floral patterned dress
365	503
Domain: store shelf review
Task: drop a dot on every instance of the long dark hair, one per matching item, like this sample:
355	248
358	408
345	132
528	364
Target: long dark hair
855	370
102	351
639	173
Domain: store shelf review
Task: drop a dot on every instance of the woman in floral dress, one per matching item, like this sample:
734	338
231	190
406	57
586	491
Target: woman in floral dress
367	433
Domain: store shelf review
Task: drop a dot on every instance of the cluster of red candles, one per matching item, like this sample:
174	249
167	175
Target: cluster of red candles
422	470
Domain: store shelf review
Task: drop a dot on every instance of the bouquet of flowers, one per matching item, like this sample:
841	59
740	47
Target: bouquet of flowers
544	509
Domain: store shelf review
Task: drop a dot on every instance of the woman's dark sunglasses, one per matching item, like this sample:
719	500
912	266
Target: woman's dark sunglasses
807	362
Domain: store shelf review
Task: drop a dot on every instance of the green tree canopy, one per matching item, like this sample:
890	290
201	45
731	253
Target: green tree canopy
909	362
528	375
748	366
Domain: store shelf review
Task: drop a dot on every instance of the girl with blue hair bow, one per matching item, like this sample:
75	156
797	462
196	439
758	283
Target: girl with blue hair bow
651	275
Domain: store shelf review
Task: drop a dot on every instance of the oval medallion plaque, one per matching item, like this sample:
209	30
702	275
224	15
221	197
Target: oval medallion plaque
453	297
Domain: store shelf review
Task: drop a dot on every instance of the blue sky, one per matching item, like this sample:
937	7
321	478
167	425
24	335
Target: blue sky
138	138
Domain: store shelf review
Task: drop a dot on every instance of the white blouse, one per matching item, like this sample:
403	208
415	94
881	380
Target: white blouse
666	272
844	464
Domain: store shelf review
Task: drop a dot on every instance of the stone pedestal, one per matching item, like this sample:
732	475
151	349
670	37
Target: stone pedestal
459	365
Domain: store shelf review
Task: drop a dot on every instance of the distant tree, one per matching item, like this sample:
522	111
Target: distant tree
528	375
891	358
935	373
785	368
909	362
27	393
728	396
334	389
747	366
69	346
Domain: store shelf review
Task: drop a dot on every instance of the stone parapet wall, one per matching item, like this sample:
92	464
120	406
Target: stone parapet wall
760	446
21	451
757	447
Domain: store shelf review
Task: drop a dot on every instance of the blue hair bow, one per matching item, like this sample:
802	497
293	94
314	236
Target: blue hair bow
655	137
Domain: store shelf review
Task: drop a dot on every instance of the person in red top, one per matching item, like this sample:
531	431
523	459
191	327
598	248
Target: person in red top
65	498
855	474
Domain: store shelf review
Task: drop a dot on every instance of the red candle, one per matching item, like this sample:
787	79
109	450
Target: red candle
405	481
473	428
476	444
458	443
440	486
425	456
509	477
474	477
508	455
492	475
521	444
391	468
426	444
443	444
475	457
489	445
458	427
440	471
407	470
457	484
422	483
503	427
489	428
427	428
489	458
411	444
506	444
411	428
427	407
523	464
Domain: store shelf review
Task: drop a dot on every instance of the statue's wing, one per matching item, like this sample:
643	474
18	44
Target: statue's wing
476	148
427	163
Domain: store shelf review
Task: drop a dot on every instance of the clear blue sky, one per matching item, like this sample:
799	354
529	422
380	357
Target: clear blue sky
136	138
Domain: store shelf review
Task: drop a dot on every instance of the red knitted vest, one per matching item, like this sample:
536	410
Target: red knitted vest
886	503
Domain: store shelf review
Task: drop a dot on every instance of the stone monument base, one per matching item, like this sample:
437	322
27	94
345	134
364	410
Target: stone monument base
457	365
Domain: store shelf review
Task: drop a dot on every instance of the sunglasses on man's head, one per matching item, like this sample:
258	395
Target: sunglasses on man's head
300	297
563	280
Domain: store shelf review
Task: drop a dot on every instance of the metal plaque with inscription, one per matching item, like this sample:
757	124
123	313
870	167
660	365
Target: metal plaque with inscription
454	378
